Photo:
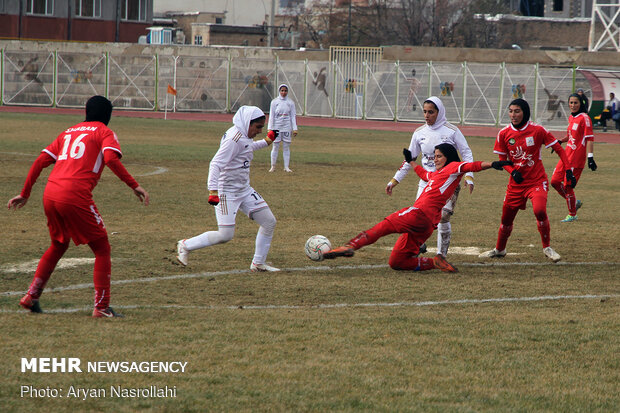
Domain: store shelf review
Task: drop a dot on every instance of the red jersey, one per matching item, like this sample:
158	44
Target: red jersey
579	132
440	187
78	152
522	147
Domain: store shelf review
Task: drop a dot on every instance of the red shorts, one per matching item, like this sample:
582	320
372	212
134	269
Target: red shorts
82	222
415	228
516	197
559	173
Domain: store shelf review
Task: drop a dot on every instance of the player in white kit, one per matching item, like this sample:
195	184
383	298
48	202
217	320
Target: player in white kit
437	130
230	190
282	118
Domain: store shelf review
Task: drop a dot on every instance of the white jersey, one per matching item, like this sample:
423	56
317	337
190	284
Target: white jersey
282	115
229	170
423	143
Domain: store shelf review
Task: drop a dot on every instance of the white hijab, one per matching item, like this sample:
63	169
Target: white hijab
441	113
244	116
280	87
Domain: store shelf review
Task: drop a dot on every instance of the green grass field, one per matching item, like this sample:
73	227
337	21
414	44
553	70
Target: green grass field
516	335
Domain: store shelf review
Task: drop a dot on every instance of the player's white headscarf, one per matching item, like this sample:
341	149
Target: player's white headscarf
244	116
280	87
441	113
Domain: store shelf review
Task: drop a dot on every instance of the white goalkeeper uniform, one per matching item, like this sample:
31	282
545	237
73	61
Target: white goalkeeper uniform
229	174
283	118
423	143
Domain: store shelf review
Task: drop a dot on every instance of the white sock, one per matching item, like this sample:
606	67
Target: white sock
444	234
286	153
274	153
267	223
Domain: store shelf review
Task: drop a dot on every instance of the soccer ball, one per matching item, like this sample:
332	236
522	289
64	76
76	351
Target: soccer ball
316	246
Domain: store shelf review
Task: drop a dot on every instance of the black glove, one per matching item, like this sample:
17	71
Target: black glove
591	163
571	178
499	165
516	175
408	156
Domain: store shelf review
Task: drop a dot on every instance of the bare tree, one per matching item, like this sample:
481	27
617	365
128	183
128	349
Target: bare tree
406	22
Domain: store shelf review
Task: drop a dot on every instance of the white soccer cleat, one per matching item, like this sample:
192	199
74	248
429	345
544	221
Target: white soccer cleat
287	170
551	254
494	253
182	253
273	168
263	268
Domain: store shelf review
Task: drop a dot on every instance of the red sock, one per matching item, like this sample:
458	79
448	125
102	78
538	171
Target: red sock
102	271
571	202
45	268
502	236
370	236
545	232
409	263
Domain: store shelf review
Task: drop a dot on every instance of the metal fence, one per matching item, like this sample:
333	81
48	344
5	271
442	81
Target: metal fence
473	93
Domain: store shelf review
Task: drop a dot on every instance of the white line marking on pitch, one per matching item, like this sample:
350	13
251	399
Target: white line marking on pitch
158	170
31	266
297	269
344	305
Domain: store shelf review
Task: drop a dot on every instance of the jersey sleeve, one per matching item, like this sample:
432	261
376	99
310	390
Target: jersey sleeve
293	116
109	142
222	157
588	133
54	148
113	161
500	145
259	144
272	115
422	173
548	138
43	161
470	167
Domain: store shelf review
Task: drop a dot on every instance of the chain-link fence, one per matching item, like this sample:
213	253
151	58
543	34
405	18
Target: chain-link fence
473	93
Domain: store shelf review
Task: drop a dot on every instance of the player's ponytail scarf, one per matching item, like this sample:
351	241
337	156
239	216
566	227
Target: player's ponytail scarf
98	109
244	116
525	108
583	103
449	152
441	112
280	87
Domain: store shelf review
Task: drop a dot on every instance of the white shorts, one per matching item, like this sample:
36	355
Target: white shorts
284	136
248	202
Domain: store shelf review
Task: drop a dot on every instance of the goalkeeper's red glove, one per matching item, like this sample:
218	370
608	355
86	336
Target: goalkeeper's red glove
214	198
272	135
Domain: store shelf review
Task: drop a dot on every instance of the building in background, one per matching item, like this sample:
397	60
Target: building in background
81	20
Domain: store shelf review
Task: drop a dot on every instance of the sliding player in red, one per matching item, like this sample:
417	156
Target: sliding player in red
416	223
520	142
79	155
580	140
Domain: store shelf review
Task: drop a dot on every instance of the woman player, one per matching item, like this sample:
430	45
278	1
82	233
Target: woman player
520	143
580	140
282	117
416	223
